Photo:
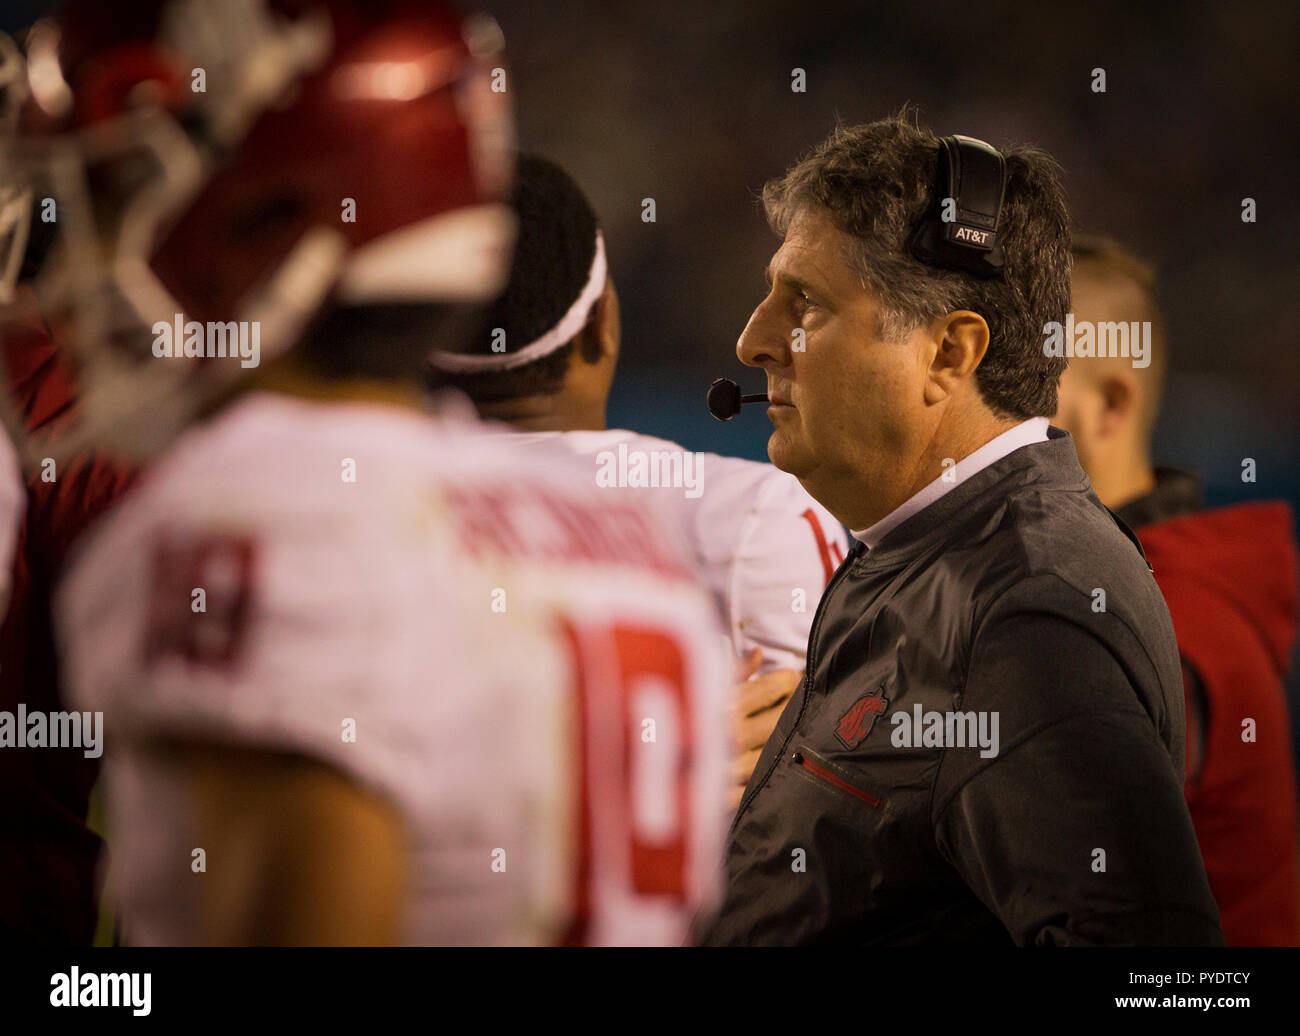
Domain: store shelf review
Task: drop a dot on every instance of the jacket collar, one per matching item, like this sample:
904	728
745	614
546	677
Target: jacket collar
1051	465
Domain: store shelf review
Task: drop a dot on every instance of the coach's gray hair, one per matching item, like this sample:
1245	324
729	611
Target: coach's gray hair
874	182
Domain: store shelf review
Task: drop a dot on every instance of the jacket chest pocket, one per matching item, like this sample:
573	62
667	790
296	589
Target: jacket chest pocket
817	769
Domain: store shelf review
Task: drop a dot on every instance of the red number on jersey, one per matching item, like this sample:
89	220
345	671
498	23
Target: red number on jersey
636	763
211	635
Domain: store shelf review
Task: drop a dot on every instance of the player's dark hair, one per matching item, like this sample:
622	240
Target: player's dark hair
874	182
554	251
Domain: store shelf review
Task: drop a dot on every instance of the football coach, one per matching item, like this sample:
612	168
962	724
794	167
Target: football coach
987	747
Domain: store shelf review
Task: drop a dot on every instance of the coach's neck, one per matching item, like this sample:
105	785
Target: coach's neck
868	495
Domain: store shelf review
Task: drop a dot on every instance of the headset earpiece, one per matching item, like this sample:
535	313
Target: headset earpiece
972	174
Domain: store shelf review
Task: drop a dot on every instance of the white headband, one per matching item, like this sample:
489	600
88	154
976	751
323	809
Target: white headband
570	324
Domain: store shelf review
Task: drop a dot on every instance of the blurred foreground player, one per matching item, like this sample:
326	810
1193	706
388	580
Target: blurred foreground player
1229	578
545	366
15	214
48	851
367	676
15	210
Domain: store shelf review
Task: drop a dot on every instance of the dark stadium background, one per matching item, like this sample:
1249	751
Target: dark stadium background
690	104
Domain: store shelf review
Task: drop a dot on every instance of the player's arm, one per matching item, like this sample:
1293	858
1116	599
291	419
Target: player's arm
786	550
296	853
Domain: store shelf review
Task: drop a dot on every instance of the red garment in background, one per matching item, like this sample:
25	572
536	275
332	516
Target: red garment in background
1229	577
48	855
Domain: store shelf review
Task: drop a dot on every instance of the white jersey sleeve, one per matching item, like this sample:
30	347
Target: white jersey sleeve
786	546
13	496
763	546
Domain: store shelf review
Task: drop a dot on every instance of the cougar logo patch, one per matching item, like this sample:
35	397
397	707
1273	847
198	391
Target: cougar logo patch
856	724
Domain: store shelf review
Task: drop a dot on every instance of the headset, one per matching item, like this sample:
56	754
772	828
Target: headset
959	228
957	231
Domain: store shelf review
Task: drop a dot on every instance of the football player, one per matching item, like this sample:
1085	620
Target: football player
15	217
48	850
368	675
545	365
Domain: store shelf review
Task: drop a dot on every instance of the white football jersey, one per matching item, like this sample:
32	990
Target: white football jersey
13	504
515	657
765	548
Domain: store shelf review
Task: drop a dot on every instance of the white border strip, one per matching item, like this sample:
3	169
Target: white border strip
570	324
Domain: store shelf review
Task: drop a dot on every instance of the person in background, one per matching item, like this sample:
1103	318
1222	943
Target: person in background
764	547
1229	577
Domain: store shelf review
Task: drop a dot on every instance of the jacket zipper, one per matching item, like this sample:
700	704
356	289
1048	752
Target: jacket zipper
834	778
810	667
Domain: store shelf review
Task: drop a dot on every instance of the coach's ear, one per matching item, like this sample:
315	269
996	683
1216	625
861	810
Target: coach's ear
959	341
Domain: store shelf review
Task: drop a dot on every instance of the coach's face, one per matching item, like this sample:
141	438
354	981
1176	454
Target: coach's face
848	407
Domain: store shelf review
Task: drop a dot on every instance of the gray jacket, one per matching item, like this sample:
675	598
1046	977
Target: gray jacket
988	744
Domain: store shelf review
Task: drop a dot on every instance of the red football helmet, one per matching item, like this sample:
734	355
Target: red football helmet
234	163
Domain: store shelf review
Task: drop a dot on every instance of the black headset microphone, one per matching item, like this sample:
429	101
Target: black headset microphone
957	231
725	399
